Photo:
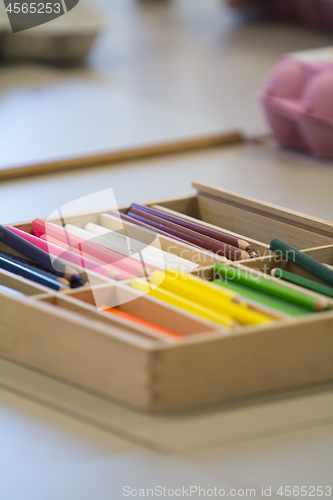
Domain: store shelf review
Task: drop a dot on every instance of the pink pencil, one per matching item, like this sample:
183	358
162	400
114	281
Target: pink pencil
78	251
98	252
57	251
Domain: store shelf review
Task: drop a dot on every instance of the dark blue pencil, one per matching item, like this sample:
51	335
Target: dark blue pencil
42	258
33	266
31	274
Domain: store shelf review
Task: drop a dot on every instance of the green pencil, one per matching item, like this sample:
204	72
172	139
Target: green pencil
264	299
304	261
304	282
271	287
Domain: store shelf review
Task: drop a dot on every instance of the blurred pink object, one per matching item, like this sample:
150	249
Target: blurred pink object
298	102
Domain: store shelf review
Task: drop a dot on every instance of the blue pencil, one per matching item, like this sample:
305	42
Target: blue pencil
33	266
31	274
42	258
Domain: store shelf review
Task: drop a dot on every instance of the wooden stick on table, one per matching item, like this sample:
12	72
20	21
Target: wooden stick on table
122	155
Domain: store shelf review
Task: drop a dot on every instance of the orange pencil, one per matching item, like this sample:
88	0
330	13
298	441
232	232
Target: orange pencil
142	322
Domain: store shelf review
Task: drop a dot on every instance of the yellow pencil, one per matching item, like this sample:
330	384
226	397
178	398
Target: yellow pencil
208	298
200	284
177	301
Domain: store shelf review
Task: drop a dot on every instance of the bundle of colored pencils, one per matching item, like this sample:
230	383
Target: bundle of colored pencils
189	232
200	298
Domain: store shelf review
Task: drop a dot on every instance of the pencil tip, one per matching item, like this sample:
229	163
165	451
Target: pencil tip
75	277
78	283
320	305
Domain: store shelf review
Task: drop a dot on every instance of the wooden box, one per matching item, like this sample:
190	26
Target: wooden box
256	221
63	333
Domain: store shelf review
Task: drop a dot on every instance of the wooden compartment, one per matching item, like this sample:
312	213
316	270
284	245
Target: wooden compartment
266	264
255	221
89	301
64	335
78	349
20	284
208	274
92	278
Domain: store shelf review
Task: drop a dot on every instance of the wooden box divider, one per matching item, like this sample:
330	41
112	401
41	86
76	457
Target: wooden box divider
260	220
266	264
21	284
132	301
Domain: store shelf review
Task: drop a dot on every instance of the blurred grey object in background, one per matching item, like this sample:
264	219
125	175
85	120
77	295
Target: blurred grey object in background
66	40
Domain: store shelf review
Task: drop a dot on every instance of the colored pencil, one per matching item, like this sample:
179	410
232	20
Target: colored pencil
34	266
302	260
116	241
214	301
197	227
178	235
181	303
163	332
148	227
109	270
201	240
269	286
11	237
152	255
31	274
93	250
11	290
263	298
118	245
202	286
57	251
121	246
304	282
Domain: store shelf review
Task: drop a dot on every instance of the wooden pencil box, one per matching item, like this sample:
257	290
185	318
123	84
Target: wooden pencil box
63	334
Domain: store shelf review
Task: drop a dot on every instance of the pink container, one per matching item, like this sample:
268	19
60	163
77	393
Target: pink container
298	102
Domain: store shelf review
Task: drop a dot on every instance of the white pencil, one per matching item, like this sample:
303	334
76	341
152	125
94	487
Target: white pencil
152	256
